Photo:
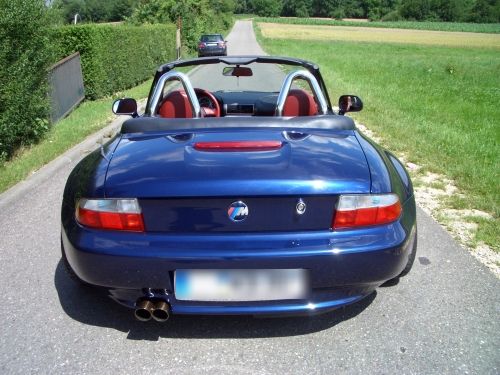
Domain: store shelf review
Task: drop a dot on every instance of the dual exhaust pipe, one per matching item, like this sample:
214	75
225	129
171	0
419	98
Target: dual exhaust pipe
158	310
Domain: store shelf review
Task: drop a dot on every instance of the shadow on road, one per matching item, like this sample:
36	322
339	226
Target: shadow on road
92	306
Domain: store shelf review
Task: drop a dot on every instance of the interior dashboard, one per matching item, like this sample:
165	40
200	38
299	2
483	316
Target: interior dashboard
246	103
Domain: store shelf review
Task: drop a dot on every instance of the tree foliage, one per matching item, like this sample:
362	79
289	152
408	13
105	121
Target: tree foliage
197	16
419	10
267	8
95	10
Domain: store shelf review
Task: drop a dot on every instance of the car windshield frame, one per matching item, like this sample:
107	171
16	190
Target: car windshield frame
239	60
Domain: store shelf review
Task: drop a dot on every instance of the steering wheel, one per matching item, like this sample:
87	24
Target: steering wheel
209	105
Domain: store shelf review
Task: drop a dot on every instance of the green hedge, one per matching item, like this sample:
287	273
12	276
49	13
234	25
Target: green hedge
25	54
116	57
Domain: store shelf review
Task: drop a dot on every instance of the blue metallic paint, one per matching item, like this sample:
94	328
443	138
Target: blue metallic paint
338	166
344	265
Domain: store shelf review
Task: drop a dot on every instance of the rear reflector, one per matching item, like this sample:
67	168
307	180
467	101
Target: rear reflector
113	214
365	210
234	146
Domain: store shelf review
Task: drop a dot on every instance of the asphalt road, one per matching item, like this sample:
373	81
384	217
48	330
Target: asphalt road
443	318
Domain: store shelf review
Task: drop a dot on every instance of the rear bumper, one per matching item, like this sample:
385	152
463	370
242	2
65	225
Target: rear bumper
212	52
344	266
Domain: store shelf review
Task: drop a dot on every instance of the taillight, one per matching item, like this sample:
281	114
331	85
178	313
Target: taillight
113	214
221	44
201	45
365	210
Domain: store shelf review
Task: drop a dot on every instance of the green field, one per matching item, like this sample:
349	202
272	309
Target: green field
436	105
379	35
493	28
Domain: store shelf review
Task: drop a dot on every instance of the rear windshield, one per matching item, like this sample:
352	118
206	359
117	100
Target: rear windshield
211	38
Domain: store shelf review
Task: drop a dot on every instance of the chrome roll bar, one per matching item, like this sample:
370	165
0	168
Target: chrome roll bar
186	83
287	84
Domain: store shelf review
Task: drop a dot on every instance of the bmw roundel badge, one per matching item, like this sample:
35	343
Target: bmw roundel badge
301	207
237	211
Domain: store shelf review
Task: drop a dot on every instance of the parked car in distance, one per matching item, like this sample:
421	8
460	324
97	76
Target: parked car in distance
212	45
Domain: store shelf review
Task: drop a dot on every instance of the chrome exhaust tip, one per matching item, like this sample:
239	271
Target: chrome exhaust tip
161	311
143	311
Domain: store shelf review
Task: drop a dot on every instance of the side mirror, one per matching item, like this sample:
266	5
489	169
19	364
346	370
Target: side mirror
350	103
125	106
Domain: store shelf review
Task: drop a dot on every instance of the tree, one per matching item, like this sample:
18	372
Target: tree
267	8
485	11
198	16
95	10
418	10
297	8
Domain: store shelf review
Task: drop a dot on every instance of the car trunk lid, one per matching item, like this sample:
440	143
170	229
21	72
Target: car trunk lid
186	188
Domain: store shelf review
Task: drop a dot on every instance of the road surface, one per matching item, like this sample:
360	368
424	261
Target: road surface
443	318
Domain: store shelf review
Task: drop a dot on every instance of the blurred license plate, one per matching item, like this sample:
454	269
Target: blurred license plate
240	285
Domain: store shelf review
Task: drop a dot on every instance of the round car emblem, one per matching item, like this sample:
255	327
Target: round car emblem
237	211
301	207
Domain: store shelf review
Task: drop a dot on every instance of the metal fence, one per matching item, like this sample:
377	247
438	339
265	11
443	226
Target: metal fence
66	86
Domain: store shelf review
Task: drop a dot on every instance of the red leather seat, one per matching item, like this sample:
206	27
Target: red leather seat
176	105
299	103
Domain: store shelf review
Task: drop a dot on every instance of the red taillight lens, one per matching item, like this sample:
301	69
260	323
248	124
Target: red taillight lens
365	210
113	214
238	146
221	44
201	45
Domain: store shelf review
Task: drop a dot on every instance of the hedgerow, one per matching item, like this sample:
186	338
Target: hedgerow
25	55
116	57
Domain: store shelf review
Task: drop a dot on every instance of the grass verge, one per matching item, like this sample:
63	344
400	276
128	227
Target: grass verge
88	118
493	28
437	106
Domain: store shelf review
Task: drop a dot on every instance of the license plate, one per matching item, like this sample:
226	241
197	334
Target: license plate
211	44
240	285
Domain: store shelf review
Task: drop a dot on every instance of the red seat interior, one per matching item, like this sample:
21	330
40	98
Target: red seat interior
299	103
176	105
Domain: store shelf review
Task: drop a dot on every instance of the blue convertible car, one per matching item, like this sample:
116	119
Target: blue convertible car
239	190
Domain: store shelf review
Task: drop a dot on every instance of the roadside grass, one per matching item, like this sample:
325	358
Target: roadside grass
379	35
88	118
493	28
438	106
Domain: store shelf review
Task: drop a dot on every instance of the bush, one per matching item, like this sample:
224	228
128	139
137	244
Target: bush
116	57
392	17
25	55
